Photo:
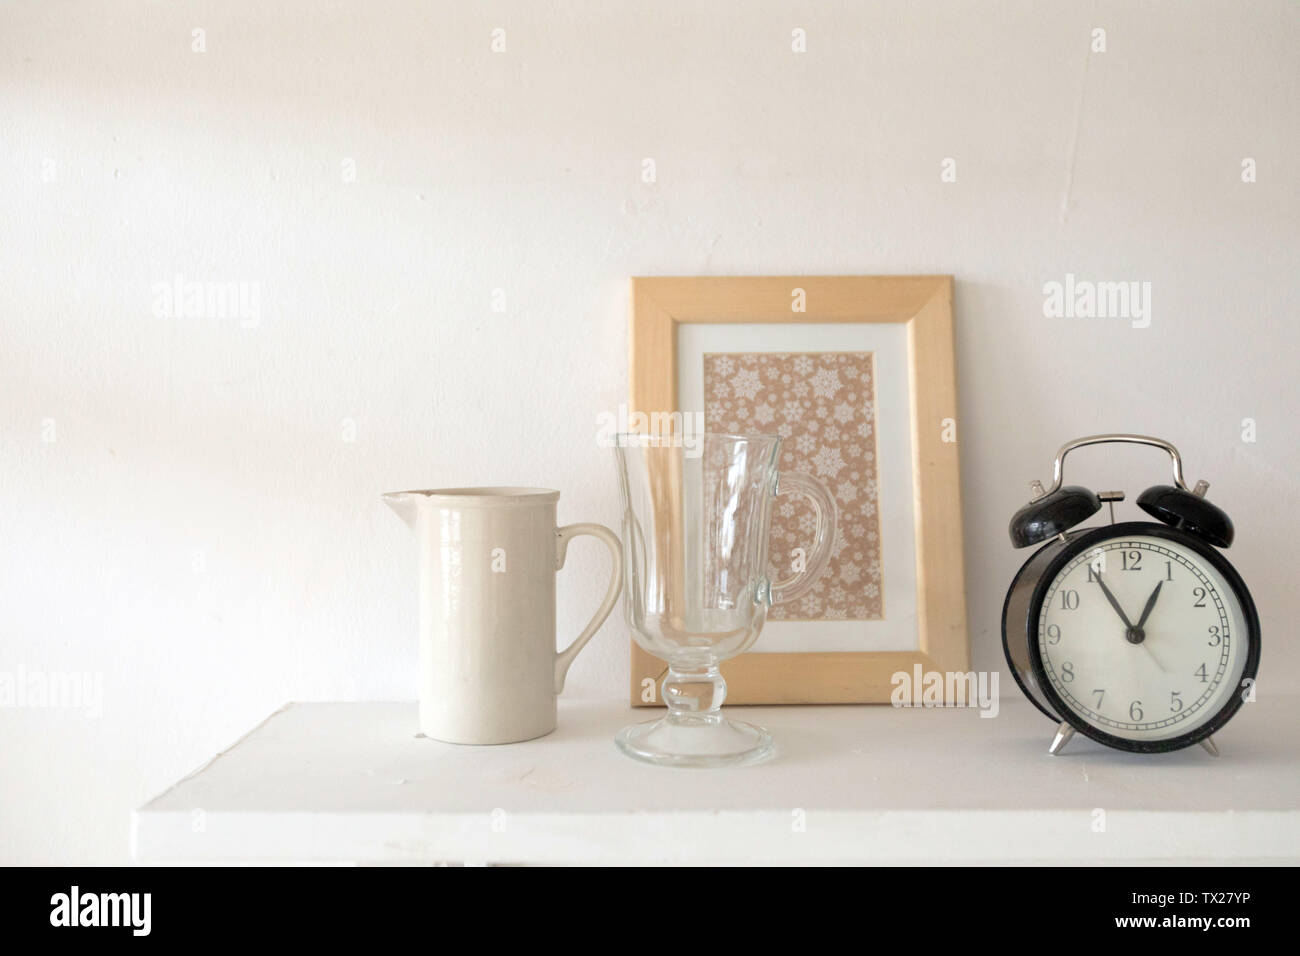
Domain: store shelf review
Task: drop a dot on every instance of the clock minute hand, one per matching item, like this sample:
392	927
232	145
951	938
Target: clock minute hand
1113	603
1151	603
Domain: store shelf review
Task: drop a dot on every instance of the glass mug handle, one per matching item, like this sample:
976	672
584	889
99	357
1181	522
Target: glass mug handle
787	589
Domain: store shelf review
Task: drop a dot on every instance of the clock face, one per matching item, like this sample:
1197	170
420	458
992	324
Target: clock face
1142	638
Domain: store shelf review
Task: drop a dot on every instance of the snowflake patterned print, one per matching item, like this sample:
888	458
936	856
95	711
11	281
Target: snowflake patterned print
823	405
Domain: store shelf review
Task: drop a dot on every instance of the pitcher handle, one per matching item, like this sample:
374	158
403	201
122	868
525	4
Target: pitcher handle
562	538
815	563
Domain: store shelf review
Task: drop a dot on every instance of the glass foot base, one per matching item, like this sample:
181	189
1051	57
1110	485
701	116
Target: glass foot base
713	741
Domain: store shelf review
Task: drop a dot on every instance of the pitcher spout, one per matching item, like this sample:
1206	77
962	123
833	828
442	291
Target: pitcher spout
406	504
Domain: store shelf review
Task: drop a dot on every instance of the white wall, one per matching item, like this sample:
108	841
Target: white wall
201	536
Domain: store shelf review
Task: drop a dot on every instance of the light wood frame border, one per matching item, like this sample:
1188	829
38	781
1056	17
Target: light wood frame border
924	305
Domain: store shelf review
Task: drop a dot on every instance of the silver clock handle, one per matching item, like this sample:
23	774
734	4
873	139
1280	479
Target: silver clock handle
1059	463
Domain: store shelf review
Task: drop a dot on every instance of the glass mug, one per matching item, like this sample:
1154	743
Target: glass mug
696	521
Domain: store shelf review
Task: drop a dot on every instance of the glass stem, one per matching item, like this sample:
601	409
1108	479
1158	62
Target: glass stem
694	695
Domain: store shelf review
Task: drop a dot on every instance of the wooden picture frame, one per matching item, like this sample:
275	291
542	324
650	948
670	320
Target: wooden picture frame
923	305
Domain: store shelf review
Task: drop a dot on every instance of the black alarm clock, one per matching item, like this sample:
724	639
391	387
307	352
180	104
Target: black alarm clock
1140	634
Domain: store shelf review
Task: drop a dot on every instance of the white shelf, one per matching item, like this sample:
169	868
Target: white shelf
334	782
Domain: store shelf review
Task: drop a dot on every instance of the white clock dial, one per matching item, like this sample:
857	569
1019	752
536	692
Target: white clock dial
1142	638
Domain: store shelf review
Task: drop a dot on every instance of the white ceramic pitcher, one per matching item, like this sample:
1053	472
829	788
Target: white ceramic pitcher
489	671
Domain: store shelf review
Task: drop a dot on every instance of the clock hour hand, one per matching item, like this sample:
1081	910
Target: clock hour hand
1113	603
1151	603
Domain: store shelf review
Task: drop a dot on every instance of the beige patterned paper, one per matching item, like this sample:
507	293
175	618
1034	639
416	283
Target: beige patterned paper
822	404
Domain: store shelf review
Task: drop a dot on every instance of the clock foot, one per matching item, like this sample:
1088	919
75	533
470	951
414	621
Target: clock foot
1063	735
1209	746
